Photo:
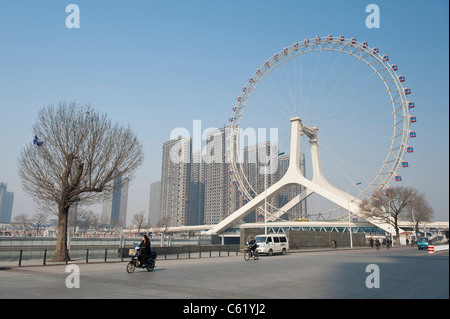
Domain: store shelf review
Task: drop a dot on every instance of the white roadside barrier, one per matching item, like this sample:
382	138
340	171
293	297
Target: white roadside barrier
433	249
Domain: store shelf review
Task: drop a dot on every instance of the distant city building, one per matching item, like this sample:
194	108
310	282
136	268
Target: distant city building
115	204
197	190
203	189
262	171
298	211
153	205
175	178
217	178
6	204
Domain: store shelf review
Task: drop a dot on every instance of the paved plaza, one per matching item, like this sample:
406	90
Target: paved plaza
402	272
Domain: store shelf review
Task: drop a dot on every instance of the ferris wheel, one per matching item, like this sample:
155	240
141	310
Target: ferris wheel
350	92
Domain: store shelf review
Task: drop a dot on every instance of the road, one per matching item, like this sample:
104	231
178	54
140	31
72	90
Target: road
402	272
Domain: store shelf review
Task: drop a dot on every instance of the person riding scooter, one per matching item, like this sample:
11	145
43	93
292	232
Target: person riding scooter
145	249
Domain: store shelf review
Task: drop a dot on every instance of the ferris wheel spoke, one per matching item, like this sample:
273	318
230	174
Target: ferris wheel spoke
320	92
266	101
341	103
347	90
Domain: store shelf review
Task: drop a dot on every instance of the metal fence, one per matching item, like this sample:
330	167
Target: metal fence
41	255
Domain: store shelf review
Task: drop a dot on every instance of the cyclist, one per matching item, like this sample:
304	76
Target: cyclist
252	244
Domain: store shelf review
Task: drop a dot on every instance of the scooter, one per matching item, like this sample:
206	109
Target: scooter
136	261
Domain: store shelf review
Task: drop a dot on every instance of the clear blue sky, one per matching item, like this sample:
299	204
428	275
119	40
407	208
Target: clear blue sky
158	65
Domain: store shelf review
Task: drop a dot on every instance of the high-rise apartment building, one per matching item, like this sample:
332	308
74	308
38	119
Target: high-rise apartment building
6	203
298	211
216	178
175	177
197	190
115	204
153	205
260	167
203	189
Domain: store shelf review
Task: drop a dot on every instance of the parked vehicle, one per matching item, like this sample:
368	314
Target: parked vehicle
272	244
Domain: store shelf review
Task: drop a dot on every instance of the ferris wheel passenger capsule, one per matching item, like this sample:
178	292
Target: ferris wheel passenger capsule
285	50
407	91
330	37
353	40
341	38
306	41
385	58
394	67
409	149
411	105
412	134
401	78
364	44
405	164
398	178
375	50
317	39
413	119
295	45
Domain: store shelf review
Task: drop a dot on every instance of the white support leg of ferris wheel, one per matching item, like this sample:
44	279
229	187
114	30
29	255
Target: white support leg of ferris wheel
293	176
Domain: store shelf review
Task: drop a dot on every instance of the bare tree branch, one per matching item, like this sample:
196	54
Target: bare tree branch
82	152
390	206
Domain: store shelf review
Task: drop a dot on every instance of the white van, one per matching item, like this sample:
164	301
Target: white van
272	244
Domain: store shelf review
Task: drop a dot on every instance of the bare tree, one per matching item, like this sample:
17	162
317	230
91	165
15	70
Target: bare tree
164	223
418	212
139	220
22	221
78	152
75	216
38	221
162	226
89	218
387	206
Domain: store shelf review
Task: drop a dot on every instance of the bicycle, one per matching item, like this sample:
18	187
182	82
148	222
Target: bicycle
334	244
248	254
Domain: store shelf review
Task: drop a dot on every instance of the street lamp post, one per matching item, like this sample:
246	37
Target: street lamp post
349	216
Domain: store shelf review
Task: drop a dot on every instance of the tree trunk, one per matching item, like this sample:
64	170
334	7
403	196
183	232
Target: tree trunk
397	231
61	236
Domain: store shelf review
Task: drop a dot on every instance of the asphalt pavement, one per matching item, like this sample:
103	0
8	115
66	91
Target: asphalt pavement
402	272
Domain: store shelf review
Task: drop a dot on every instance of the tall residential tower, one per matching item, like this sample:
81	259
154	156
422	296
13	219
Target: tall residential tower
6	204
175	177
